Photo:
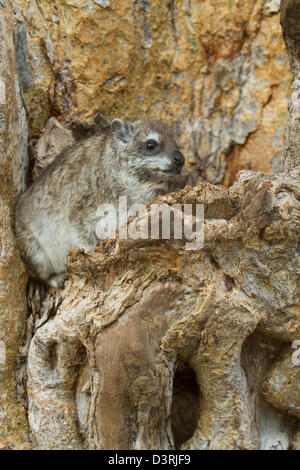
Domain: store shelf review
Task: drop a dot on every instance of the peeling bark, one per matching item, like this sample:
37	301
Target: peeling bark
137	58
141	308
145	329
135	313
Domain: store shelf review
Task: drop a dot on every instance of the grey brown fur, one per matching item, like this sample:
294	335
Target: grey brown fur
59	210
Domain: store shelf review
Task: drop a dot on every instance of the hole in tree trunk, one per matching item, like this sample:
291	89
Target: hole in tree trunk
185	405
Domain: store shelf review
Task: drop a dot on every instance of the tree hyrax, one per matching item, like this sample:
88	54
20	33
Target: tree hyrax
59	210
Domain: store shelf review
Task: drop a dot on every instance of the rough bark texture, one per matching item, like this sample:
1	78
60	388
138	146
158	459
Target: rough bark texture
149	345
13	278
217	68
132	312
290	21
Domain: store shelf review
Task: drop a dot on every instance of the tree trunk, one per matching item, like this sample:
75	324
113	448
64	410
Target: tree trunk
151	345
13	305
290	22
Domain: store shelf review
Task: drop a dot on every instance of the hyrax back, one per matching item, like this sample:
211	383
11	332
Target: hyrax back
59	210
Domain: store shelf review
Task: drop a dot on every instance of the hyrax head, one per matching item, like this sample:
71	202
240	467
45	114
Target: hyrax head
148	149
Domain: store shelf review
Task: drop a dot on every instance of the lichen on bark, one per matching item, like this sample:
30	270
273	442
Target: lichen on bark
218	69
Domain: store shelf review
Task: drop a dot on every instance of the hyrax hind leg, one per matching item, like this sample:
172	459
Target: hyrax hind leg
36	258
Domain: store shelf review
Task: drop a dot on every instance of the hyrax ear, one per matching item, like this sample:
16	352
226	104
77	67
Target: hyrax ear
122	130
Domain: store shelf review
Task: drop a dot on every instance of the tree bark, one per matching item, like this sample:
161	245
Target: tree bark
13	278
150	345
134	312
290	22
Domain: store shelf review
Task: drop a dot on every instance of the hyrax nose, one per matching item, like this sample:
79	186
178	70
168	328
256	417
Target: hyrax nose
178	158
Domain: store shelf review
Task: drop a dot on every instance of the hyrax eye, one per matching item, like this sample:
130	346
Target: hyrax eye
151	145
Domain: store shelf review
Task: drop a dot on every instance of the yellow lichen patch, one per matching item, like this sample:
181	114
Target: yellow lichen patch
209	66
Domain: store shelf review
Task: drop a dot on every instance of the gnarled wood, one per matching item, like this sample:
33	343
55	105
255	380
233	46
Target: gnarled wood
111	356
141	308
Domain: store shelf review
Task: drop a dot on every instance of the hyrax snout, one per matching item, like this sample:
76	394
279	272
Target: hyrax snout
138	159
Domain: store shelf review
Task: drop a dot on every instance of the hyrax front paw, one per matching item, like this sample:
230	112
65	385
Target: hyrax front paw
57	280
